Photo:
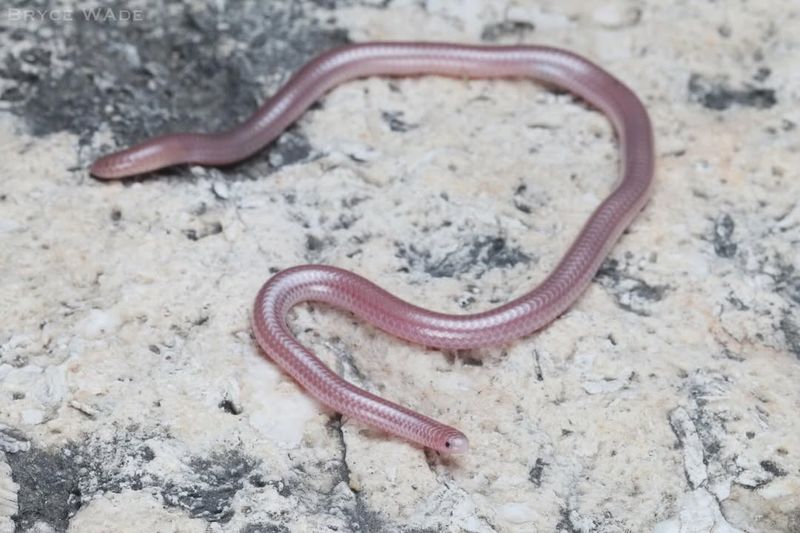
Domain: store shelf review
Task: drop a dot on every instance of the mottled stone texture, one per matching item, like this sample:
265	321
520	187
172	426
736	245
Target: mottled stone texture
132	395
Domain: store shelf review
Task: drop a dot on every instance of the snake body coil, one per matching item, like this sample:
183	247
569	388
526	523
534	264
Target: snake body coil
351	292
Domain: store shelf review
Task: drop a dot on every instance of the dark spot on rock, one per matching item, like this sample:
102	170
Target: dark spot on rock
257	480
737	303
199	210
345	221
711	424
772	468
291	147
730	354
216	480
147	454
200	321
314	244
791	332
356	159
649	292
762	73
516	28
165	73
12	94
36	56
229	407
539	372
214	228
395	122
712	448
353	201
479	255
787	280
264	528
723	232
631	293
155	349
527	201
116	215
14	70
282	488
716	94
464	303
18	396
678	430
525	208
535	474
467	357
49	488
345	362
565	523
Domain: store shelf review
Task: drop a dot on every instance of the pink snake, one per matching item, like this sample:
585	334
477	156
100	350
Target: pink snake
352	292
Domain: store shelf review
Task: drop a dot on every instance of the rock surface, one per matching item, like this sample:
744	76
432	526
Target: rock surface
133	397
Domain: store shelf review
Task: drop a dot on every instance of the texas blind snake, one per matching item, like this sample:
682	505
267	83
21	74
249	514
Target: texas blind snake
351	292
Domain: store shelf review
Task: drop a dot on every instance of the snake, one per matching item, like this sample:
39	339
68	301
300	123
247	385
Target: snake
348	291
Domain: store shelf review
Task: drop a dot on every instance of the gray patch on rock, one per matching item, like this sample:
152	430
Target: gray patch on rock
215	481
291	147
786	284
12	440
702	426
722	237
507	28
54	484
716	94
480	254
536	472
631	293
163	74
264	528
791	332
395	121
787	280
49	487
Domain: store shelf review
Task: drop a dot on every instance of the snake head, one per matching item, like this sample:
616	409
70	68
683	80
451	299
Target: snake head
456	444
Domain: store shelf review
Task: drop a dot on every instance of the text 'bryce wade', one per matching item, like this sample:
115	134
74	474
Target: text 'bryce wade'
96	14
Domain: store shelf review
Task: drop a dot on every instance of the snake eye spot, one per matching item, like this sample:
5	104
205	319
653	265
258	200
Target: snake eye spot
456	444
